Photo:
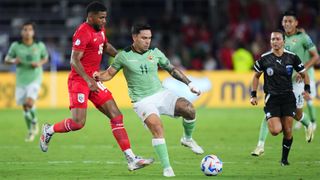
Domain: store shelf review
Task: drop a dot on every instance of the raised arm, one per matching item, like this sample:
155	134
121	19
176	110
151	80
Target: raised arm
76	64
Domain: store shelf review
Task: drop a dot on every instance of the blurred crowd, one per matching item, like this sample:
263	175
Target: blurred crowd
197	35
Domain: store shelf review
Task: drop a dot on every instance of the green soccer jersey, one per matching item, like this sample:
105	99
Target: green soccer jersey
300	43
25	73
141	71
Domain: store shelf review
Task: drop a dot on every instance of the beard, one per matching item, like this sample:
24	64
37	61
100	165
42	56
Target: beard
96	27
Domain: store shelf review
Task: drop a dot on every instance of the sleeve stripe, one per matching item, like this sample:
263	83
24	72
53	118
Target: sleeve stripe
255	68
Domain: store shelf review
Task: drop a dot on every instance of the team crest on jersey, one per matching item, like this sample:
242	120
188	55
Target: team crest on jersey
80	97
150	57
289	69
77	42
269	71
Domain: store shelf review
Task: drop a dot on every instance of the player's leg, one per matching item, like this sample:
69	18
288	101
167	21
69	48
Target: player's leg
304	119
111	110
287	139
78	96
185	109
311	108
274	125
263	133
154	124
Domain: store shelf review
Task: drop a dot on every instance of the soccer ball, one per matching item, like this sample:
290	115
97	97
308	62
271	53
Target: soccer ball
211	165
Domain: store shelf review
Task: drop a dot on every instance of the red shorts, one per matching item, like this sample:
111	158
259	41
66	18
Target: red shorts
79	93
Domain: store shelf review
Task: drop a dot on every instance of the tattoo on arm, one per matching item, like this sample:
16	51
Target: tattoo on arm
177	74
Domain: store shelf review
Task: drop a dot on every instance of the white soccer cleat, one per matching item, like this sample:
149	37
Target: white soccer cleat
192	144
309	133
258	151
139	163
29	137
168	172
45	138
297	125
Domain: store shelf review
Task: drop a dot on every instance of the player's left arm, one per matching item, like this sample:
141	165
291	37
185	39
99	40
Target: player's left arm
109	49
312	49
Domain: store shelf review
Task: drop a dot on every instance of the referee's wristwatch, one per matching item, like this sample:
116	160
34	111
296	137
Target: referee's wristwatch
307	88
253	94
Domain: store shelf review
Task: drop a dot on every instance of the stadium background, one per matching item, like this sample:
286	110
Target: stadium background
195	35
198	36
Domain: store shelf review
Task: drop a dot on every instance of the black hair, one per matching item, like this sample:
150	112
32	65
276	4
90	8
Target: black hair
279	31
27	23
290	13
96	7
137	27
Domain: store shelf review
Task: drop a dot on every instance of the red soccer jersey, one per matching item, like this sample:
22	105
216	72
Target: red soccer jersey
91	42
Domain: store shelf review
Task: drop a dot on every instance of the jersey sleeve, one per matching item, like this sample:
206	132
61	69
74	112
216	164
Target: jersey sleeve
164	62
258	66
308	44
118	61
12	50
298	65
80	40
44	52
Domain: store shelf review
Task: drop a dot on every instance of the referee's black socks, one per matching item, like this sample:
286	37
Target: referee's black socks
286	146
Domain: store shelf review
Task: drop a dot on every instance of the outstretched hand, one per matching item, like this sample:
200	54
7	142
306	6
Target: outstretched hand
193	89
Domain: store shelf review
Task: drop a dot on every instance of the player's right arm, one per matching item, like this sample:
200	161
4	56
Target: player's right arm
11	57
112	70
76	56
255	82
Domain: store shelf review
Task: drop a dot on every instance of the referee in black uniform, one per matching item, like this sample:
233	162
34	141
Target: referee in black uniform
280	103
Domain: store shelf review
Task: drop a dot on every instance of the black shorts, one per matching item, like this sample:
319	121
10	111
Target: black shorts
280	105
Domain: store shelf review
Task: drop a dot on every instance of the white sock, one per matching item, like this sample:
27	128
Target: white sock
261	143
129	155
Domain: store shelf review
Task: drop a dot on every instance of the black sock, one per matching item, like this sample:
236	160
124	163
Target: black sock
286	146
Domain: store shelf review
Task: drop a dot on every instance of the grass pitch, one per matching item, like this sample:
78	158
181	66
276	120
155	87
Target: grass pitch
92	152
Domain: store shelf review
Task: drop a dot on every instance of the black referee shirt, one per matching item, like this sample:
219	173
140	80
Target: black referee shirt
278	71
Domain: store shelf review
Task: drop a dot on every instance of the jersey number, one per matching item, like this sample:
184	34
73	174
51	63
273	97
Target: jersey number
144	69
100	49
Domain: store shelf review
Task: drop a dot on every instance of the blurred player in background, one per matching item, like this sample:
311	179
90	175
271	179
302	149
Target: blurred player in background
280	102
28	55
300	43
150	100
89	43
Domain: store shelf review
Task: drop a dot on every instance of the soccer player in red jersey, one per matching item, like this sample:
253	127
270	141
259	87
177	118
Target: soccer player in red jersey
89	43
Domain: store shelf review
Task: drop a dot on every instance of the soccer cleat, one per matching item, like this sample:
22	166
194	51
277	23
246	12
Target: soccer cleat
298	125
191	144
45	138
139	163
285	163
30	137
35	128
168	172
309	133
258	151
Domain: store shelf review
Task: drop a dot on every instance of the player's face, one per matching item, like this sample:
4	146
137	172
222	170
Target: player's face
27	32
276	41
289	24
142	40
98	20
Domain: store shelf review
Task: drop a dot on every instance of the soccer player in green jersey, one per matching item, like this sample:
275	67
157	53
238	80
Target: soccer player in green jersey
301	44
140	68
28	55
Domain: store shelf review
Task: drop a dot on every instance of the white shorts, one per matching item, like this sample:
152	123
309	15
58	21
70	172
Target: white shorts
161	103
298	89
29	91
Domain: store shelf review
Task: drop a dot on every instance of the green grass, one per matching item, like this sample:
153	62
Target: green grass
92	153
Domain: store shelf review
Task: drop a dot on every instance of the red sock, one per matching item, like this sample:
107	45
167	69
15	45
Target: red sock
66	126
120	133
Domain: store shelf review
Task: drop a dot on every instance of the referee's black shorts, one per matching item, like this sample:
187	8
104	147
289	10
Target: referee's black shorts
280	105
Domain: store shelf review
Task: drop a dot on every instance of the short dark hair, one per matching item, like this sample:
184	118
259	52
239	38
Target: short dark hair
290	13
27	23
96	7
137	27
279	31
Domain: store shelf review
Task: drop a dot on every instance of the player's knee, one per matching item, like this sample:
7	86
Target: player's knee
275	131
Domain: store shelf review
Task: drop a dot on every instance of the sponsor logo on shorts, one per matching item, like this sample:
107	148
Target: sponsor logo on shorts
144	114
80	97
268	115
